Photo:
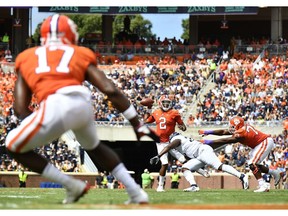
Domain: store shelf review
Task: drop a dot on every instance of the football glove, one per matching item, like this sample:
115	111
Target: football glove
144	130
154	160
208	142
182	127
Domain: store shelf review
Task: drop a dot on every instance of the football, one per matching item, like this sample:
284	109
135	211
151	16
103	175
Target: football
147	102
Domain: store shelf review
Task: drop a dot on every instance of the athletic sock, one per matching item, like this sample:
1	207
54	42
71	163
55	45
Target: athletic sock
273	172
189	177
161	180
121	173
231	170
261	181
52	173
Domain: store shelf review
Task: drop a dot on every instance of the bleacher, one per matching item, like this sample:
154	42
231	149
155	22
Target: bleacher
180	56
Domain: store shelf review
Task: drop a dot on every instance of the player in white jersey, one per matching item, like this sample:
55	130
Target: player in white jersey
200	155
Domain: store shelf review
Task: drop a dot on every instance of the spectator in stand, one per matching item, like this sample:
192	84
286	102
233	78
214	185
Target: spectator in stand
8	56
222	157
240	162
110	181
190	120
285	124
6	40
3	166
99	179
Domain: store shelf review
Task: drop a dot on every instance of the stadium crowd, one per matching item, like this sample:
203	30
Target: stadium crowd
254	87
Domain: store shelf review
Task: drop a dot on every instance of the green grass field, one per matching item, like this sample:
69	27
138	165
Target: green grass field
40	198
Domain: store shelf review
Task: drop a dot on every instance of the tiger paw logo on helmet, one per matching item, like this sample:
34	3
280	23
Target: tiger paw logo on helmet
235	124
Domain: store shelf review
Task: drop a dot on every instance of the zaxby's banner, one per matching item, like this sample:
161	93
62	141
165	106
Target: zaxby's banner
152	10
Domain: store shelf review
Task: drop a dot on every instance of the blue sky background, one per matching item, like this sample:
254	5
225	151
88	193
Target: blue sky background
164	25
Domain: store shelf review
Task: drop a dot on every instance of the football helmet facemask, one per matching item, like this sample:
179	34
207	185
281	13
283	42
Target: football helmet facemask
58	29
165	103
235	124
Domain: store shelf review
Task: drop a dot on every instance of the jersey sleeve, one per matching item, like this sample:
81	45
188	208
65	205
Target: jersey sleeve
150	119
87	56
178	117
19	59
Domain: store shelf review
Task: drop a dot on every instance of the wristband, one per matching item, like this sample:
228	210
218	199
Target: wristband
208	142
130	113
206	132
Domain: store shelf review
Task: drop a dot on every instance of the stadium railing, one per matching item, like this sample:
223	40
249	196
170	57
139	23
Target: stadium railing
274	49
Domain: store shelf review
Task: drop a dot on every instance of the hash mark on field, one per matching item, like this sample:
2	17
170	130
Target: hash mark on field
15	196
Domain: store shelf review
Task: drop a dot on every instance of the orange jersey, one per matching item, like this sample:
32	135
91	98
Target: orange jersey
49	68
165	122
251	136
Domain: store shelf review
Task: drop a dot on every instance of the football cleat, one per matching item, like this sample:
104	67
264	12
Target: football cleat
265	187
203	172
75	191
160	189
140	198
192	189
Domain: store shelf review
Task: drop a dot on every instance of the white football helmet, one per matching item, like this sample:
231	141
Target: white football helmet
165	103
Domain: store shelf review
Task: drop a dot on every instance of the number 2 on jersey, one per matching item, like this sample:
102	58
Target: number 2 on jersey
62	67
162	123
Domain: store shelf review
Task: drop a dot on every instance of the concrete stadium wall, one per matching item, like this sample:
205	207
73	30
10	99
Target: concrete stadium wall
34	180
216	181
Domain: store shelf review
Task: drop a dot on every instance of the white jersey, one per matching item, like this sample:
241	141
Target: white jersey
200	155
188	146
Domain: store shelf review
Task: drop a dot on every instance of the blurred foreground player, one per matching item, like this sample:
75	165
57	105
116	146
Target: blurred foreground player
54	73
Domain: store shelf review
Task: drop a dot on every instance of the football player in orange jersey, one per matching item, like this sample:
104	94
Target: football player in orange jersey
166	119
260	143
55	72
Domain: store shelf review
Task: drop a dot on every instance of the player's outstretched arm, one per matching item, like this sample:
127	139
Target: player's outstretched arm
221	141
214	132
154	160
